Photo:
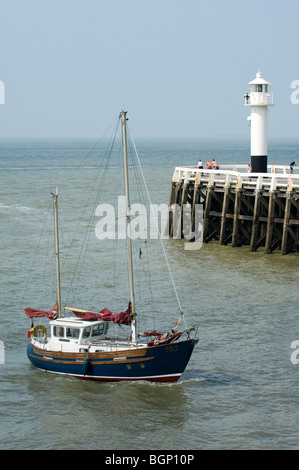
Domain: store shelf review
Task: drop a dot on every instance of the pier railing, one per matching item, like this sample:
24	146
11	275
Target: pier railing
231	176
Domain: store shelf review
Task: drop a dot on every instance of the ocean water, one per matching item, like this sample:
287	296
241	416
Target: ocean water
240	389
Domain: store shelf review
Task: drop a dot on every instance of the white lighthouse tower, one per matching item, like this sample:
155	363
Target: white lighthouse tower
259	99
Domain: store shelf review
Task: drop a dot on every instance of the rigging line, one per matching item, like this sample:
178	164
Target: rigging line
96	143
157	227
36	252
143	242
104	167
102	164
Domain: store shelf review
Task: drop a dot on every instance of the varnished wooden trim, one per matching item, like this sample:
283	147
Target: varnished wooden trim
91	355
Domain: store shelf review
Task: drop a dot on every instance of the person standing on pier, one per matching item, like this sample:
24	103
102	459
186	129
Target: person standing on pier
292	164
200	164
209	165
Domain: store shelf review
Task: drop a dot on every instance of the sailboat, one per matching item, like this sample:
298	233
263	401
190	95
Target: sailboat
79	344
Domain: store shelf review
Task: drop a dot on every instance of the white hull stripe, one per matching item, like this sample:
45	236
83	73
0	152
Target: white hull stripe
105	377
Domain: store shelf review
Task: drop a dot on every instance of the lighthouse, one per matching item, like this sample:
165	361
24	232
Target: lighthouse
259	99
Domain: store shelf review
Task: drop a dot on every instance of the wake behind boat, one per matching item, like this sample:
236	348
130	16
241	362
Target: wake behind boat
80	345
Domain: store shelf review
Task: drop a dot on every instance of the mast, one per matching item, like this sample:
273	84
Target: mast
55	198
123	115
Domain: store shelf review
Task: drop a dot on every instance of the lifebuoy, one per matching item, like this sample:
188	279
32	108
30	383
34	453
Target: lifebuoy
34	331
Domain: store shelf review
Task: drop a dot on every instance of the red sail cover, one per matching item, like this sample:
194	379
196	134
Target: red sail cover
123	318
33	313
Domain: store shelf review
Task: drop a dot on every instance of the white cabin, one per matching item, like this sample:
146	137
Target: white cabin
72	334
71	331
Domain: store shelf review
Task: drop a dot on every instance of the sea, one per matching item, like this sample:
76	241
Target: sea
240	389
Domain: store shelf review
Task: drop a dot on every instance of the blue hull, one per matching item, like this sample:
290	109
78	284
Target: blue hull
164	363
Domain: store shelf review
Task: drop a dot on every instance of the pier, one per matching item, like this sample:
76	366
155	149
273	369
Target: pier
260	210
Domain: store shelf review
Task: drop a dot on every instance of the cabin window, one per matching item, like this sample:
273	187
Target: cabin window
72	332
86	332
58	331
98	330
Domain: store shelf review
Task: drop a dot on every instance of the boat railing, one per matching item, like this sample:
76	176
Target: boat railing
41	341
112	343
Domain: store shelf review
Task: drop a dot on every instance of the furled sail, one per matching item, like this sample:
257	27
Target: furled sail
123	318
34	313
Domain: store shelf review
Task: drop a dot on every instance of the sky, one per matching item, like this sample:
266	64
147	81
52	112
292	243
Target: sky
180	68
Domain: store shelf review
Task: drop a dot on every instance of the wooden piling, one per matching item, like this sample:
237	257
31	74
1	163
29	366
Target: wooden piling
286	221
270	223
258	210
235	235
255	220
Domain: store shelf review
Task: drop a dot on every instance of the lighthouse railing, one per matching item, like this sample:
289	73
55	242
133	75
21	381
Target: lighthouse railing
259	99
